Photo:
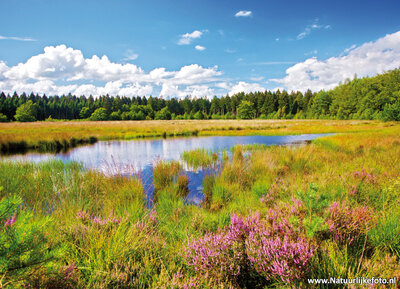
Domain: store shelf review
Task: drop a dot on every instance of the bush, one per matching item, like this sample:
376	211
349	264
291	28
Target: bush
391	112
84	113
163	114
99	114
3	118
249	249
199	115
115	115
348	225
26	112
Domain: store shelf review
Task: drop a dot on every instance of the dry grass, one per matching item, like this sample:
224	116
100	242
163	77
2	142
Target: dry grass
34	132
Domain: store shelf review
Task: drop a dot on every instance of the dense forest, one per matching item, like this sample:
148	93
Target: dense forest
361	98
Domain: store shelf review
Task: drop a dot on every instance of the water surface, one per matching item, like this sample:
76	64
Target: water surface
139	156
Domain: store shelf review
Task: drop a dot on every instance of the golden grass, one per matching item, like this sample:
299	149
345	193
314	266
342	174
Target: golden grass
34	132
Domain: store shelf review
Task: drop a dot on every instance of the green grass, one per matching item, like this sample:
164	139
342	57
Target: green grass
100	233
200	158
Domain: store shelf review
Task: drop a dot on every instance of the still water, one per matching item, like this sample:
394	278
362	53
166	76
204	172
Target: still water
139	156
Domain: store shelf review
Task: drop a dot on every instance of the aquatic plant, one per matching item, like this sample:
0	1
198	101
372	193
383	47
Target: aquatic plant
200	158
182	183
164	174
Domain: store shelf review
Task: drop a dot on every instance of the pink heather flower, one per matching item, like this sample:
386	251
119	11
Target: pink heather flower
82	215
297	206
11	221
116	220
270	246
97	220
363	174
348	224
153	217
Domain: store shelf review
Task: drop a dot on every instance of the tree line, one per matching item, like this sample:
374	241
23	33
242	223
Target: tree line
361	98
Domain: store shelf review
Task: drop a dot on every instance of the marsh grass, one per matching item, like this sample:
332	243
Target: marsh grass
62	135
109	238
200	158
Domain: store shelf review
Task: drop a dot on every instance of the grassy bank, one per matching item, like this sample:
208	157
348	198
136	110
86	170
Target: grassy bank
270	219
51	136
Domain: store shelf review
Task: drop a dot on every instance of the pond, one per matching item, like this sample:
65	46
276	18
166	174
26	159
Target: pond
139	156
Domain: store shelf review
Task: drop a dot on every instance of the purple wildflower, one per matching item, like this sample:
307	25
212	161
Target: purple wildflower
82	215
11	221
347	224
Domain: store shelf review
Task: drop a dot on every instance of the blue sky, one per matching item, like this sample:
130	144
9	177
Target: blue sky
198	48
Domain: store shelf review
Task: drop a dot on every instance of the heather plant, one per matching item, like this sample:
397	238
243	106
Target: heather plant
251	248
348	225
219	256
268	194
179	281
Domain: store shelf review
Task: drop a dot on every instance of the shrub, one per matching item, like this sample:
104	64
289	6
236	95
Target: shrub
163	114
199	115
115	115
99	114
26	112
251	248
3	118
85	112
346	224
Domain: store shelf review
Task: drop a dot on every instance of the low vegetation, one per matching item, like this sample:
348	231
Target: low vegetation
56	136
272	217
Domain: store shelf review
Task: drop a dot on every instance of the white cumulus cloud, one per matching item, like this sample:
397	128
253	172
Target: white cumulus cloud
169	90
62	70
200	48
366	60
243	13
187	38
245	87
